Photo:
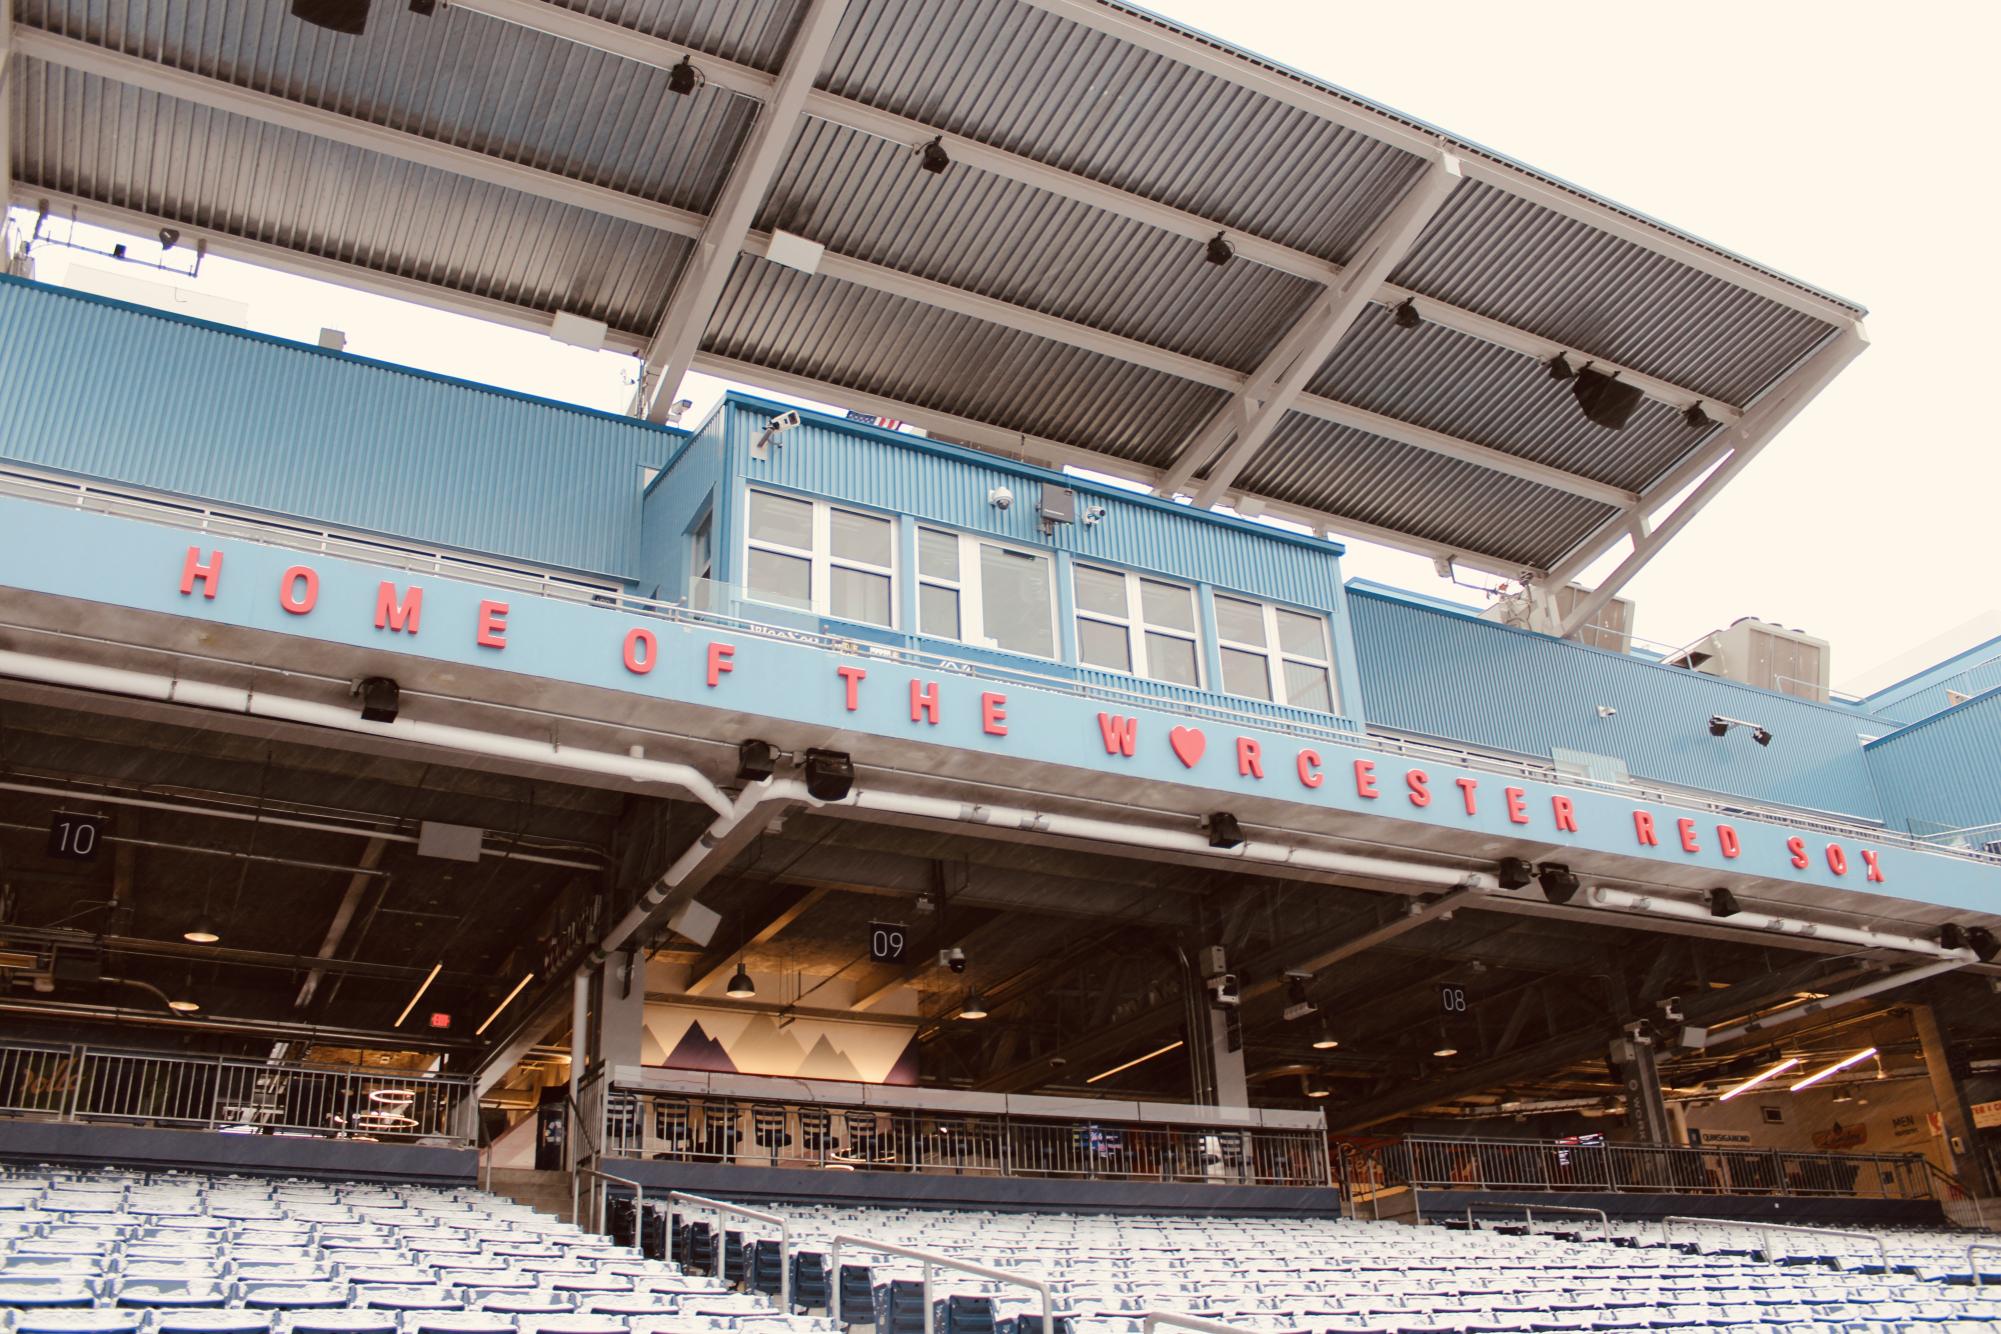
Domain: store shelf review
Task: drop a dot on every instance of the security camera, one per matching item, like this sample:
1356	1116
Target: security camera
1671	1010
1093	514
783	422
1224	993
168	236
1000	497
954	959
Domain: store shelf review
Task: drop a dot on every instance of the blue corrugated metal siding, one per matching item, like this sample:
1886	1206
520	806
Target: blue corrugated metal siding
1451	675
137	396
673	503
950	487
1945	771
1921	695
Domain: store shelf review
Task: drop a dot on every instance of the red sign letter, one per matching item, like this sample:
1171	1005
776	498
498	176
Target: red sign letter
924	702
1643	829
1837	860
492	625
720	656
1518	807
392	615
1309	769
1121	734
1687	830
1250	758
853	676
1726	839
1467	786
298	589
192	569
993	714
1365	779
642	650
1565	813
1797	846
1875	867
1419	783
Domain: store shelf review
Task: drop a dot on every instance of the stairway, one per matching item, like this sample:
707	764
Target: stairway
544	1192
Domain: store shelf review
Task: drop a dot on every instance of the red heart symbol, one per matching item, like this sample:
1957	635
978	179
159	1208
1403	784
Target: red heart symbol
1188	743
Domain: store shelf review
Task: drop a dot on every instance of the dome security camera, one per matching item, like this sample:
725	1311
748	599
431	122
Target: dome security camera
1000	497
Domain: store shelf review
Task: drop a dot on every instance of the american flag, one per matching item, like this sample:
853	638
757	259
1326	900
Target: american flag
886	423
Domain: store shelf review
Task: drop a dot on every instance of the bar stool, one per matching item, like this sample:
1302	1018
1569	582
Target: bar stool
767	1129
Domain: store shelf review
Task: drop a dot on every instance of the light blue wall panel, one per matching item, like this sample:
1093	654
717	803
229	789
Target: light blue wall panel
1945	771
1454	676
1920	696
678	497
133	395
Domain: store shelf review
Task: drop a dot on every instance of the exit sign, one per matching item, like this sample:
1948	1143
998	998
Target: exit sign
439	1019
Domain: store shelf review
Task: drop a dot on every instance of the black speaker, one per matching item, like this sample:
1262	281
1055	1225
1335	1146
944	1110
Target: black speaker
1607	401
345	16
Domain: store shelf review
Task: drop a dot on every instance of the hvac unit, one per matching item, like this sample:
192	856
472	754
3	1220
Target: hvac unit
1760	653
1611	629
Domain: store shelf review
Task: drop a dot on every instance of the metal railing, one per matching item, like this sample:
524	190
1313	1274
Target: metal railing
721	1207
601	1203
1529	1213
1973	1267
690	1128
1882	1247
1555	1165
234	1094
930	1262
128	502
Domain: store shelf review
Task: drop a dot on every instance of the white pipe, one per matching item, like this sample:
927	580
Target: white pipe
229	699
1656	905
1172	840
1710	1037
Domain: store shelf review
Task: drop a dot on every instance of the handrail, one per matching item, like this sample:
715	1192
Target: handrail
1604	1221
1973	1268
1881	1245
1196	1323
757	1215
931	1261
638	1203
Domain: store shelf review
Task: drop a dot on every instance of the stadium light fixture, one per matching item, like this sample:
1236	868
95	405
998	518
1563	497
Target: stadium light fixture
975	1006
936	159
184	1002
756	761
1719	725
1219	250
1722	903
1317	1088
1515	873
1607	401
740	987
1983	943
683	78
1325	1039
1224	831
1560	368
830	774
1756	1080
422	987
1838	1066
1176	1045
506	1001
1696	418
1445	1049
347	17
381	698
202	931
1559	883
1406	314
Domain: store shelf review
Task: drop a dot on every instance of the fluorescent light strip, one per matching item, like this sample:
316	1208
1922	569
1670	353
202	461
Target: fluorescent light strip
1756	1080
1137	1060
1862	1055
429	978
526	979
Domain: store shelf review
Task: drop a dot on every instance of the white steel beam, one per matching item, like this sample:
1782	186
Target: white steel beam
1255	414
613	39
6	119
701	283
1765	419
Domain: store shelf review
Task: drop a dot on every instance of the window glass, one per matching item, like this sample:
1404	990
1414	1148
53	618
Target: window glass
860	537
1102	644
701	559
1169	605
1307	687
1102	591
1014	595
782	520
858	595
1246	673
938	611
779	578
938	554
1240	621
1304	635
1171	658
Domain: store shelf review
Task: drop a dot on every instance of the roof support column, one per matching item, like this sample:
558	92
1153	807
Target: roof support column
6	123
672	352
1759	424
1255	413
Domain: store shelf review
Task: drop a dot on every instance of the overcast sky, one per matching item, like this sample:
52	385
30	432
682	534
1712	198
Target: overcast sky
1841	143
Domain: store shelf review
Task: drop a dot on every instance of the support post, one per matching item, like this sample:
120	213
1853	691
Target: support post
1954	1109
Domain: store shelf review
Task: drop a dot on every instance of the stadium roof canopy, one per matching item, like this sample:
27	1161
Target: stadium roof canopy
1050	293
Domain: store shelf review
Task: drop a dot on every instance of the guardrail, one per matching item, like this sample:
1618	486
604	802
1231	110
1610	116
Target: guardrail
722	1207
601	1202
1971	1267
1558	1165
1882	1247
930	1262
691	1128
129	502
234	1095
1529	1211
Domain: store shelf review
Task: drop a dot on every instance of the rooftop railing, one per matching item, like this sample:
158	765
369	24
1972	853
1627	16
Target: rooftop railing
134	503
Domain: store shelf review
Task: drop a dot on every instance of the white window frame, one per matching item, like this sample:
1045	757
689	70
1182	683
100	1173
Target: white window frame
1135	624
822	561
1274	652
972	606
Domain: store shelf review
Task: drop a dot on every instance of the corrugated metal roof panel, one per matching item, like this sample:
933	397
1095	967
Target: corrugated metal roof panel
1516	261
83	135
882	344
1021	79
1434	377
750	32
1376	481
873	200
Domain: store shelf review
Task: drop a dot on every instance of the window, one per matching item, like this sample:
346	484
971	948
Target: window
939	592
979	592
1132	623
701	552
1274	653
821	558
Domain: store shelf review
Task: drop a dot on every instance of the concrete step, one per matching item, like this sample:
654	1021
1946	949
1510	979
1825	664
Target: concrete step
544	1192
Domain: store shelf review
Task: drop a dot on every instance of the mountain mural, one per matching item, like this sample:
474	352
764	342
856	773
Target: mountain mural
758	1042
698	1051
